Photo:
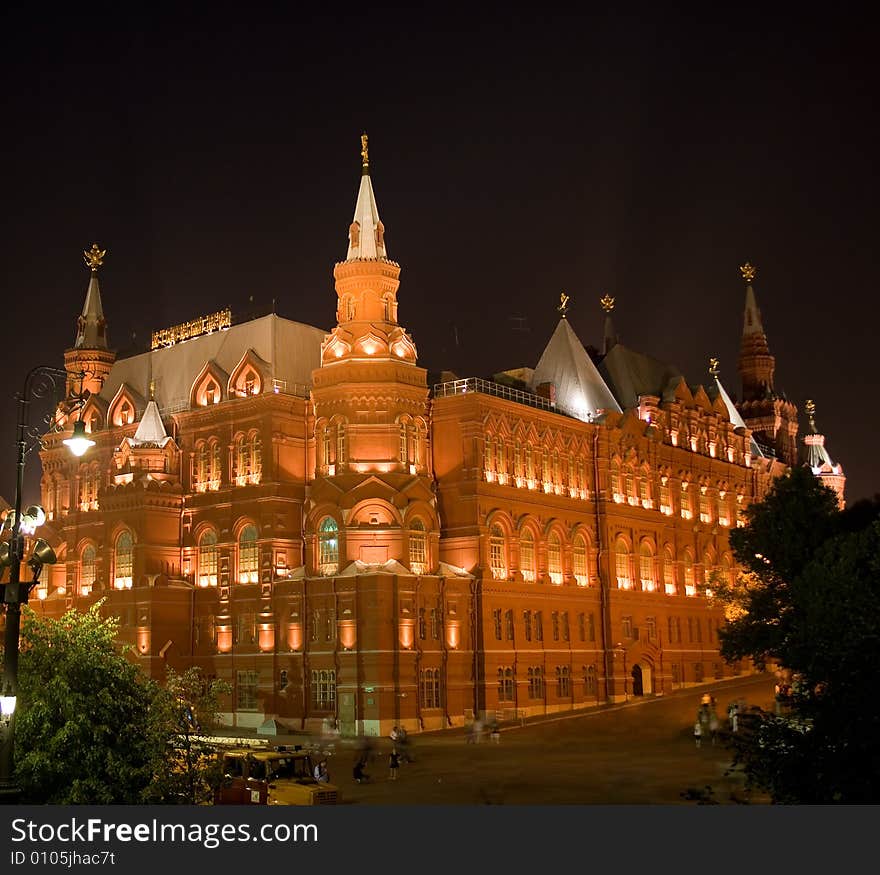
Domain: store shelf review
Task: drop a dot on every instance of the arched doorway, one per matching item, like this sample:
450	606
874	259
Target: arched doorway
638	689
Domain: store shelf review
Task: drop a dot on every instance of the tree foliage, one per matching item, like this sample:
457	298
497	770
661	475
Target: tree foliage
809	601
185	709
84	711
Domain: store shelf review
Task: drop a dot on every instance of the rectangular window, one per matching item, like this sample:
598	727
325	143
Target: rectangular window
246	690
536	682
496	615
651	627
436	623
527	624
539	625
554	621
698	672
566	634
508	623
699	626
627	623
429	687
324	689
582	627
591	628
563	682
690	629
423	626
505	684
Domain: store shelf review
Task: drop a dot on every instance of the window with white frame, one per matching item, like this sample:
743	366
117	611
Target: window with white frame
536	682
87	570
418	548
328	547
324	689
505	684
246	689
563	682
497	553
429	687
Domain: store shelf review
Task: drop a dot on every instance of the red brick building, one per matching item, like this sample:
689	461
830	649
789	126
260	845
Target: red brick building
300	513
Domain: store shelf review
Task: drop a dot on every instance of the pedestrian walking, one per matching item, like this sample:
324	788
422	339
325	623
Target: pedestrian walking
698	733
733	716
359	771
714	726
393	764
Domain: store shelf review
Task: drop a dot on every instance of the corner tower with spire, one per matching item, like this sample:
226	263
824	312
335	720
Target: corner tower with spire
770	417
816	456
89	354
372	459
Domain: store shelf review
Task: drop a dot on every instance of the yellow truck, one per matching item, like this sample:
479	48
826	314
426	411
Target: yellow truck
274	776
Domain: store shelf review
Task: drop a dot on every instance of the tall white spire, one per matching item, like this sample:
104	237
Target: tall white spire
366	234
91	328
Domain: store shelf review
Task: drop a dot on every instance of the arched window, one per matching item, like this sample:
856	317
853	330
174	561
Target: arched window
200	474
208	559
123	556
646	568
621	563
554	557
248	555
325	460
690	584
418	548
215	466
403	450
668	573
616	484
497	553
340	443
255	471
563	682
527	556
579	560
328	547
505	684
87	570
536	682
241	458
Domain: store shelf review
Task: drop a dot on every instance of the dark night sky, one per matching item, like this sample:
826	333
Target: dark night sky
513	156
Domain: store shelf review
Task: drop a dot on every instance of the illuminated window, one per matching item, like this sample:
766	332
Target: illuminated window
686	511
208	558
255	473
668	574
527	556
324	689
126	413
536	682
242	458
579	560
200	474
665	500
340	443
123	561
418	548
488	455
616	485
248	555
505	684
517	460
215	466
530	463
646	568
705	511
87	570
497	553
690	585
325	447
621	562
645	493
402	448
429	687
554	557
328	547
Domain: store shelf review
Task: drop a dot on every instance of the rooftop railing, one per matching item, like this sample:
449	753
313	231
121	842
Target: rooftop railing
487	387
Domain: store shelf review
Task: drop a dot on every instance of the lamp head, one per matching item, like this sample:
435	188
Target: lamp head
79	441
43	555
34	516
7	703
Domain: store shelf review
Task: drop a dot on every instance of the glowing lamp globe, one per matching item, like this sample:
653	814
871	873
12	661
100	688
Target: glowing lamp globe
79	441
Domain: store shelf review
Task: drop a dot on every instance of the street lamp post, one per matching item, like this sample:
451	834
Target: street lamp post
38	384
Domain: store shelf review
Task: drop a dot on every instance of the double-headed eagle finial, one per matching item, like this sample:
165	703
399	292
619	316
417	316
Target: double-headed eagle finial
713	366
94	257
748	272
365	152
607	303
563	304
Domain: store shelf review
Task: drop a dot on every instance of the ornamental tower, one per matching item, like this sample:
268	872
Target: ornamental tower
372	458
89	354
770	416
816	456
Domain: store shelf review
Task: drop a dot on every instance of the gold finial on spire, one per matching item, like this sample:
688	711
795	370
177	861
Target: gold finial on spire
810	410
94	257
748	272
607	303
713	366
365	153
563	304
152	390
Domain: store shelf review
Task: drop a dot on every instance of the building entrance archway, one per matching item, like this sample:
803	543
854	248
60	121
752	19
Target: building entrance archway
638	689
642	680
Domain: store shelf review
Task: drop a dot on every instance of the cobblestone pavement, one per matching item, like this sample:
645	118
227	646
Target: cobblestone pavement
641	752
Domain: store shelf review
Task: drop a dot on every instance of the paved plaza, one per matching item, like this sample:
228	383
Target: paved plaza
641	752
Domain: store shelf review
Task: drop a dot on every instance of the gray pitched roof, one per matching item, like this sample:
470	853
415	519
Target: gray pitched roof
580	389
630	374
